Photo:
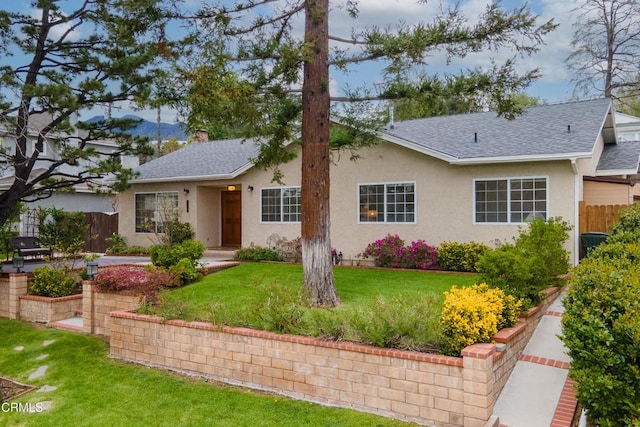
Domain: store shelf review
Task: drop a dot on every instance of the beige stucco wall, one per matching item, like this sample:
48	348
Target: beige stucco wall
444	204
203	212
444	200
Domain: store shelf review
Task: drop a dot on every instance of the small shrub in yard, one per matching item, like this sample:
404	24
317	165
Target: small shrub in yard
165	256
185	271
404	322
178	232
474	315
277	308
146	281
119	246
385	252
456	256
391	252
256	253
511	270
534	262
420	255
601	329
289	250
53	282
63	231
543	240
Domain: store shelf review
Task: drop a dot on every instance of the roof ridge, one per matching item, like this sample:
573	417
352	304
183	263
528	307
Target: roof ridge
477	113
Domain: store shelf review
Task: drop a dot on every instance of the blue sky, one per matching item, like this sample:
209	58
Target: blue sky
553	87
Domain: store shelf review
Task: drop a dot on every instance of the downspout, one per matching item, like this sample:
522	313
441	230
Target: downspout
576	220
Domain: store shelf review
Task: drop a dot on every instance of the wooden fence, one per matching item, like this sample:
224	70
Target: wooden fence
101	226
599	218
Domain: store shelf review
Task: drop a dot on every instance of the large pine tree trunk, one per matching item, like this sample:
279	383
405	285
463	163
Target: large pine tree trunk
317	265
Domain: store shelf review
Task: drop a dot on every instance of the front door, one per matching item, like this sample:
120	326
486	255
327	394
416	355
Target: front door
231	218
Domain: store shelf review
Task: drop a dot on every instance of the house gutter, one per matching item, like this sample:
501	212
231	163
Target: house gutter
216	177
184	178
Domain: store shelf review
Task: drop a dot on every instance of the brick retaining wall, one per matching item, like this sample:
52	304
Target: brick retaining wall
4	297
96	307
425	388
43	309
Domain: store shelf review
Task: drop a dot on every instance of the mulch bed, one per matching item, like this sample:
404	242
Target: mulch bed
10	389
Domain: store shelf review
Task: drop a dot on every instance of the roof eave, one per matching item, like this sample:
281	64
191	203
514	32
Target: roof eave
519	159
217	177
616	172
183	178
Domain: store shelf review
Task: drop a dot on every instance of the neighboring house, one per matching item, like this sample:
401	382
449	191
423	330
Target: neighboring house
452	178
628	131
82	199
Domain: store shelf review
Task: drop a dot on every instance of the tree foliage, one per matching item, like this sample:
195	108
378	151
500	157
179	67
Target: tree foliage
57	62
606	43
274	60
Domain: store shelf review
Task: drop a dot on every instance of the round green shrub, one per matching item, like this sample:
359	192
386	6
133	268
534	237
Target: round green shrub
185	271
256	253
165	256
456	256
52	282
601	329
178	232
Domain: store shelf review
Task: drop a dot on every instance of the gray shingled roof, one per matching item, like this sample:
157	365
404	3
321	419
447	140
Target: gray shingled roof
624	155
222	159
540	131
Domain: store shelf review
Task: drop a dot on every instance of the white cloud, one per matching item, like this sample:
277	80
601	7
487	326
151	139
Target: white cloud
58	30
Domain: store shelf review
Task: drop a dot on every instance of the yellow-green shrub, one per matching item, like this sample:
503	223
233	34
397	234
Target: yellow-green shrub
460	256
473	315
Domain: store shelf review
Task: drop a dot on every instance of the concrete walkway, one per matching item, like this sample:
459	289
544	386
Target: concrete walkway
538	392
210	257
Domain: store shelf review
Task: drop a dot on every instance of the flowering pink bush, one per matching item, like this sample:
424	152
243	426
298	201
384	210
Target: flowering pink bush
144	280
391	252
422	255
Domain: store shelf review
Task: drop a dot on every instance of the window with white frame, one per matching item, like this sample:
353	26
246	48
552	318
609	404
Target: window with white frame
281	204
510	200
154	210
387	203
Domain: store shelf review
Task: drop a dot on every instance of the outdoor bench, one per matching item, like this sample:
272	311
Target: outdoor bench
28	246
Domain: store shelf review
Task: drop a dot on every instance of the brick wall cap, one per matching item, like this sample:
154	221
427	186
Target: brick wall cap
479	351
342	345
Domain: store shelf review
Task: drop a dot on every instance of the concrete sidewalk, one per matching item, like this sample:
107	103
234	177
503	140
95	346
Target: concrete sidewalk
211	257
539	392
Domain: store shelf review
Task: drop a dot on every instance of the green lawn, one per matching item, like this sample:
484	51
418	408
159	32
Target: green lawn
95	391
396	308
356	287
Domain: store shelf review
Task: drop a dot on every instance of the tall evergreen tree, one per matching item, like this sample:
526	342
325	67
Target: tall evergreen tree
275	59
